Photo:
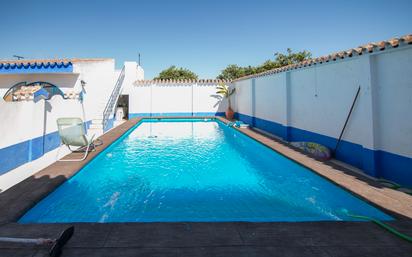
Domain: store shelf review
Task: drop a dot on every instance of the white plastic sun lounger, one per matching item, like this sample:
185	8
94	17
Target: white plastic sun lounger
73	134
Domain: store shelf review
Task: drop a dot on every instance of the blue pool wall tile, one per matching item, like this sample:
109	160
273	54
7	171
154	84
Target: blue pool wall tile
18	154
377	163
176	114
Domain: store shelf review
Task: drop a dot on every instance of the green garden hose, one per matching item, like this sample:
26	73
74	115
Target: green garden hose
395	186
391	183
383	225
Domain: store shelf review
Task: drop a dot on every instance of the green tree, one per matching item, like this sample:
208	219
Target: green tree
232	71
268	65
291	58
281	59
177	73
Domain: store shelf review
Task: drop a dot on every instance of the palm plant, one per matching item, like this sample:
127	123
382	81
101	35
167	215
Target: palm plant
224	91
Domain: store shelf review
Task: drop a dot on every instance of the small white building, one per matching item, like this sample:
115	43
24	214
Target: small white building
85	88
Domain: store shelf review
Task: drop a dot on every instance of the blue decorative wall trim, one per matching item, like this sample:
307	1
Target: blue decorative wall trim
54	67
269	126
87	125
51	141
18	154
376	163
176	114
395	167
109	125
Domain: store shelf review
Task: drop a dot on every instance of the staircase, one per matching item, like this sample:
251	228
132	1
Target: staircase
104	121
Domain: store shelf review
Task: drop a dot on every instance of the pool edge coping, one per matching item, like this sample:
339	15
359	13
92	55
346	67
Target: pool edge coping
58	173
14	202
364	188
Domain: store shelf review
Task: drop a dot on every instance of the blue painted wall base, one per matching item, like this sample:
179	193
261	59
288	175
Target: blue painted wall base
377	163
176	114
18	154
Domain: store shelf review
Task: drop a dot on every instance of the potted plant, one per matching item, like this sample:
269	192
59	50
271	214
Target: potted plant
225	92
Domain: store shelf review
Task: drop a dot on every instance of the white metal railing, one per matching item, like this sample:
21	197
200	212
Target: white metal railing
111	103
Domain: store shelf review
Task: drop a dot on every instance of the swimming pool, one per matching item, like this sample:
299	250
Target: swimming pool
194	170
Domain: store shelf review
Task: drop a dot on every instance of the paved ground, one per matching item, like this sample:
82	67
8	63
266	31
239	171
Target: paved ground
217	239
210	239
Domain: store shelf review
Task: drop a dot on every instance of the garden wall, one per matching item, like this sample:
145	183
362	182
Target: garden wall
175	98
311	102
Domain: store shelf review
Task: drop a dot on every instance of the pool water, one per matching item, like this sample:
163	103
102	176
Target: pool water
194	170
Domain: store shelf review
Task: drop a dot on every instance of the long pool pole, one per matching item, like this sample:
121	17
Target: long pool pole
346	121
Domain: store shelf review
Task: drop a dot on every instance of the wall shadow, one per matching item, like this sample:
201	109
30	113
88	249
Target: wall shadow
221	104
360	177
17	200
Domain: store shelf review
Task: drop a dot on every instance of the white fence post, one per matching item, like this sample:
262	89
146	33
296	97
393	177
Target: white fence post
368	90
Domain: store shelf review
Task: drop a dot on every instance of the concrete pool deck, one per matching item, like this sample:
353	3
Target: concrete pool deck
211	239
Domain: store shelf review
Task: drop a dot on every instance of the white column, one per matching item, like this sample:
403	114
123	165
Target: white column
367	103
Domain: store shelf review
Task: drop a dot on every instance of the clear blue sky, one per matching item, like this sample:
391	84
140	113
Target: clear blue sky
202	35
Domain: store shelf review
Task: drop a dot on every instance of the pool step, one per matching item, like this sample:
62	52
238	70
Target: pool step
96	127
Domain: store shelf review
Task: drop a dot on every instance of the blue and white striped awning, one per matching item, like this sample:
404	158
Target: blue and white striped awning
17	67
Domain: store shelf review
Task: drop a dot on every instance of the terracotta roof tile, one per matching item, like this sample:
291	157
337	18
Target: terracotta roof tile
407	39
364	49
65	61
180	81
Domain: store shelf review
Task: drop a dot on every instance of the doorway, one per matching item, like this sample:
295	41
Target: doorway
122	107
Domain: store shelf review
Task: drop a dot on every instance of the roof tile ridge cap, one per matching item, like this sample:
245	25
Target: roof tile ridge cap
381	45
394	42
51	60
407	39
67	62
369	47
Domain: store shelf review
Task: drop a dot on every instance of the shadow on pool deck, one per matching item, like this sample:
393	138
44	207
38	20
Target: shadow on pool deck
398	204
334	164
198	239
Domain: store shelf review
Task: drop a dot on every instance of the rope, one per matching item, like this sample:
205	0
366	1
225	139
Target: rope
97	142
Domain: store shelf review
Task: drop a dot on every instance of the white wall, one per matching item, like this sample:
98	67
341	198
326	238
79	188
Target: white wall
100	77
205	99
20	121
174	98
24	120
243	97
133	72
317	99
67	81
321	98
393	101
140	100
24	123
271	106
